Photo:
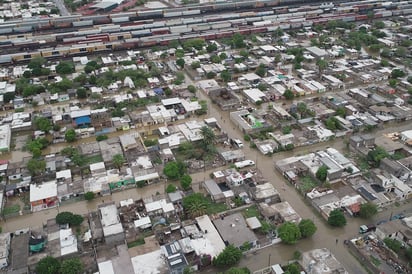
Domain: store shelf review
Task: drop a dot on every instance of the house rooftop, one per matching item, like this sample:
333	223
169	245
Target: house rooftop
234	230
43	191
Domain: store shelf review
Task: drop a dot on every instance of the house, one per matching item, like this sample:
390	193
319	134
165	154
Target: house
216	194
285	213
5	138
81	118
128	142
112	227
321	261
392	185
392	229
175	258
265	193
43	196
4	249
211	243
234	230
68	242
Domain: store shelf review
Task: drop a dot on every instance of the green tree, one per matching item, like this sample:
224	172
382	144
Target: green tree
322	173
208	137
43	124
186	182
118	161
286	130
341	111
368	210
70	135
292	269
195	205
72	266
48	265
375	156
81	93
195	65
191	88
211	47
36	166
66	217
65	67
289	233
289	94
336	218
307	228
226	76
238	41
393	244
228	257
37	62
215	59
261	70
89	196
174	170
322	65
180	62
170	188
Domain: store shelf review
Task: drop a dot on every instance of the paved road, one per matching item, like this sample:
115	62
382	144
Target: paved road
62	7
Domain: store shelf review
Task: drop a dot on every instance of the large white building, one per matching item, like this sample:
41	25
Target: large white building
5	138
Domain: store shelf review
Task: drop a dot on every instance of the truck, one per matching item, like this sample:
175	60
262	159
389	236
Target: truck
366	228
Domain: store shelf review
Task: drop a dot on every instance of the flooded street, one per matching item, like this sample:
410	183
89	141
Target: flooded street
324	237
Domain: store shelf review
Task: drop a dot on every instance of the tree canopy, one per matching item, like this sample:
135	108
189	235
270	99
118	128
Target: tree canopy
71	266
375	156
118	160
228	257
66	217
36	166
368	210
289	233
174	170
48	265
307	228
336	218
43	124
195	205
186	182
322	173
70	135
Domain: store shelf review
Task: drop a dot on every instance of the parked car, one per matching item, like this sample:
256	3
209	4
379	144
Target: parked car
397	217
366	228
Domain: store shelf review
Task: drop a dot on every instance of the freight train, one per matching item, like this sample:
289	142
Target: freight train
208	30
77	21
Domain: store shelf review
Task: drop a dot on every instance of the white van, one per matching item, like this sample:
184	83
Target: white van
238	143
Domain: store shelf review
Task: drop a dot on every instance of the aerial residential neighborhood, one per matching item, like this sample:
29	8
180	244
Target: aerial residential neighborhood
154	137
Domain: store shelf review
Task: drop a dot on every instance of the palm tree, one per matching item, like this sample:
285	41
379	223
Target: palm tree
208	135
197	208
118	160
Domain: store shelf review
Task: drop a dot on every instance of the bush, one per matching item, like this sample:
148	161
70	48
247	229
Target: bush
170	188
66	217
228	257
89	196
101	138
336	218
393	244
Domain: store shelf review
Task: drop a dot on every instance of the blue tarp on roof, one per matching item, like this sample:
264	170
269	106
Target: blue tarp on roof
82	120
158	91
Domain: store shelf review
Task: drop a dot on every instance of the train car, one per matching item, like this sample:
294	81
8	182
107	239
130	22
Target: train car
141	33
23	29
83	23
103	37
224	33
23	45
208	35
168	14
191	12
119	36
101	20
117	20
200	27
128	44
160	31
60	23
150	14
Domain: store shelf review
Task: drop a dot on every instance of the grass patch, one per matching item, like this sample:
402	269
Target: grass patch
11	209
213	208
375	261
93	159
138	242
251	212
308	183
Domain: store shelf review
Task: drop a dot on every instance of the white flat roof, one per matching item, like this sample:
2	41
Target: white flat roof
142	222
149	263
66	174
106	267
68	242
171	101
97	166
205	224
109	215
43	191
